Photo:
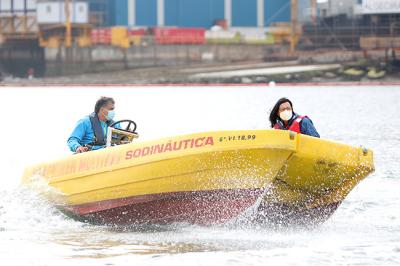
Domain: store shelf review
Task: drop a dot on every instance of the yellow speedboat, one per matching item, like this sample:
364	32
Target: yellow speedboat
205	178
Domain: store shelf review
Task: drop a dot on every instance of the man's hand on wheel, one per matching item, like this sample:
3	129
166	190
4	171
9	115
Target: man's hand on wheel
81	149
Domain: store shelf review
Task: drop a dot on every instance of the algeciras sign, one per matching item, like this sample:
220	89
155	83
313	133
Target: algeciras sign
380	6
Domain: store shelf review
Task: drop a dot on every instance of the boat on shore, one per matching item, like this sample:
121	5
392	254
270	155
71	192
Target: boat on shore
375	73
353	73
205	178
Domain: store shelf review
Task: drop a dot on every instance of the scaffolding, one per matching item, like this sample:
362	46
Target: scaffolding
363	32
18	23
65	32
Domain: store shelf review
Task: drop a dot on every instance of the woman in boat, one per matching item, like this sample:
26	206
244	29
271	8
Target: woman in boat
282	117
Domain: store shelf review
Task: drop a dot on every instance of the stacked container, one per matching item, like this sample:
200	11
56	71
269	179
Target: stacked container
179	35
101	36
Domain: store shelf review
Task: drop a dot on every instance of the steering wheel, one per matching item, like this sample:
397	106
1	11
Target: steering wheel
128	127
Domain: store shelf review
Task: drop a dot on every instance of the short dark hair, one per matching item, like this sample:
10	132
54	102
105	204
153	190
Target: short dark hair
103	101
274	115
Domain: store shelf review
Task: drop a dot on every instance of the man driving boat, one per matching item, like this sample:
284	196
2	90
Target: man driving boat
90	132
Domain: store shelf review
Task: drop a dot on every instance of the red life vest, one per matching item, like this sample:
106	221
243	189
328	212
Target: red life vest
295	126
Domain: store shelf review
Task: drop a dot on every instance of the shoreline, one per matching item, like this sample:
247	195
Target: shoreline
303	84
288	73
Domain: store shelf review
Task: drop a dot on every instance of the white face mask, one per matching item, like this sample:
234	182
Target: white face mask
286	115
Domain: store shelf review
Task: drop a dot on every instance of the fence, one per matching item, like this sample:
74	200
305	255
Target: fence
125	37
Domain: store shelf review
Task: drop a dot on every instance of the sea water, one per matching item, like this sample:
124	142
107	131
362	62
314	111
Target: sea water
36	122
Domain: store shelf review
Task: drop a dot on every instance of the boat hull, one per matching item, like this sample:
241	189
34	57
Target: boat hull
201	207
206	178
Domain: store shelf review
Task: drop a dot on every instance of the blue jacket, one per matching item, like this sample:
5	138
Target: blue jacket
307	127
83	134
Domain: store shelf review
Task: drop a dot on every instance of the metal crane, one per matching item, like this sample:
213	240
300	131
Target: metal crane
68	30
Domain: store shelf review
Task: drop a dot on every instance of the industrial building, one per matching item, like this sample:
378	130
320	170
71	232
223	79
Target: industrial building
177	13
194	13
354	24
54	22
59	31
329	8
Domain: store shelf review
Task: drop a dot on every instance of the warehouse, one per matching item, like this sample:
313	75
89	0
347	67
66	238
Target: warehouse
179	13
192	13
